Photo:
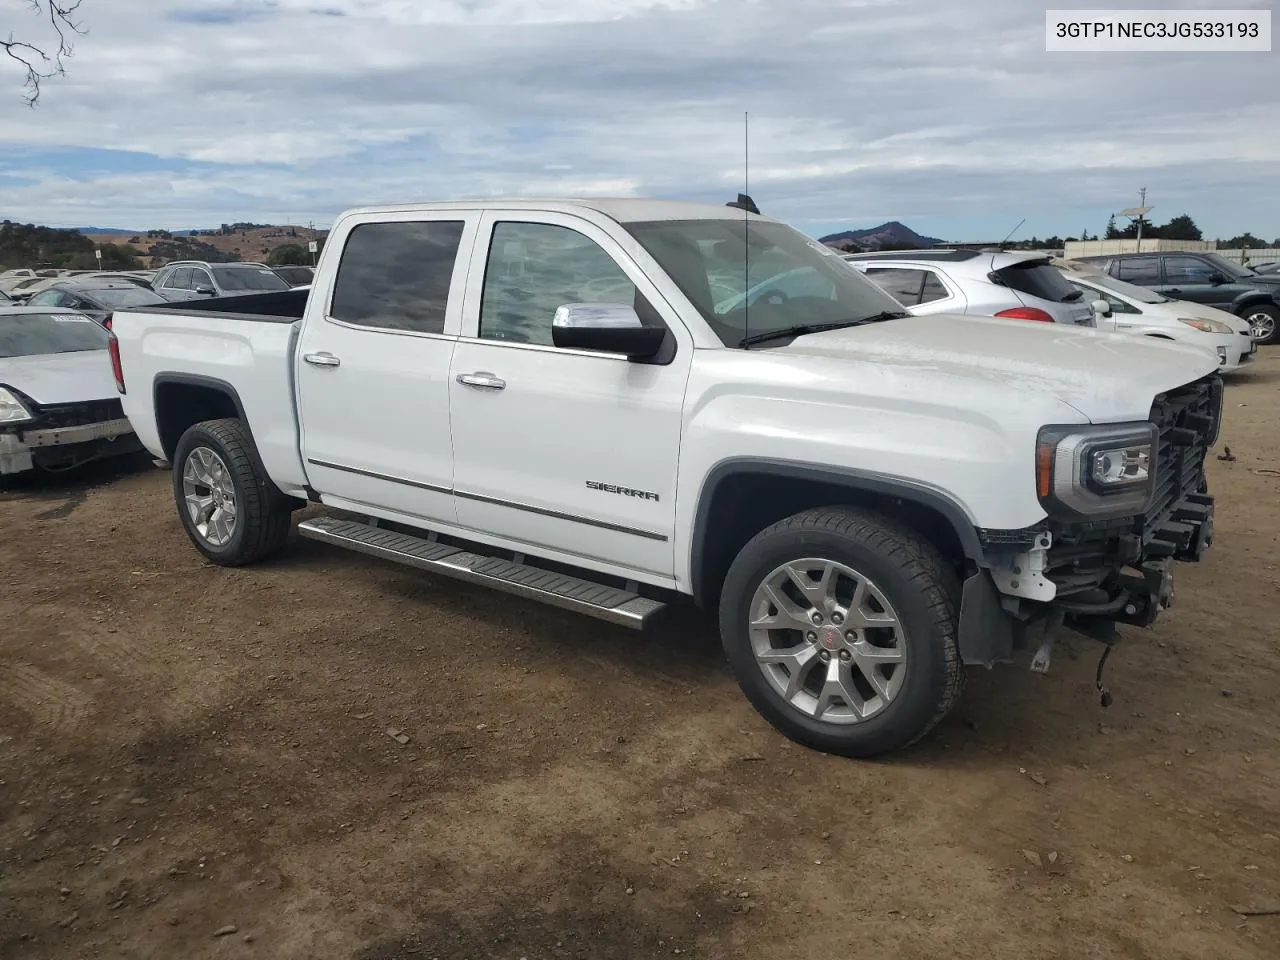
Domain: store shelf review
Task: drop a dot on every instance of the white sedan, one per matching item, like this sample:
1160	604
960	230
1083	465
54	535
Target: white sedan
1136	310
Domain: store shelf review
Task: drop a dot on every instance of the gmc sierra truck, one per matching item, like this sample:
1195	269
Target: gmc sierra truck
609	404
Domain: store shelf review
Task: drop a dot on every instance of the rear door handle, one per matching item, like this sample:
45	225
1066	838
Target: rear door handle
322	359
482	379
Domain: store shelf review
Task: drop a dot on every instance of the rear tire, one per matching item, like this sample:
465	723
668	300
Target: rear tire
815	663
1264	323
230	509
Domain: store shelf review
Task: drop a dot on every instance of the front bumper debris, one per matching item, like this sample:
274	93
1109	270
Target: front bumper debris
60	448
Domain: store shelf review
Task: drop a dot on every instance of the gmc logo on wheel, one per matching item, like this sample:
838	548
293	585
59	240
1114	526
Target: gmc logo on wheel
622	491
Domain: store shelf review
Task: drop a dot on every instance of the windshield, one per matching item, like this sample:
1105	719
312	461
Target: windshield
39	334
248	278
1129	290
1227	267
753	277
117	298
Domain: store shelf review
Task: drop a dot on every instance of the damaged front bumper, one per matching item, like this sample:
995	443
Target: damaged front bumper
56	448
1091	575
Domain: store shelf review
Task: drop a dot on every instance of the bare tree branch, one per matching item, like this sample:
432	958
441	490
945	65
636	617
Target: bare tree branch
39	64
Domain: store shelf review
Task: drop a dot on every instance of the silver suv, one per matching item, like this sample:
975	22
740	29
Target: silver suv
189	279
991	283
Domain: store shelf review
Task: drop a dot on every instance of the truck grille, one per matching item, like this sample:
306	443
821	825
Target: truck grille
1087	554
1188	420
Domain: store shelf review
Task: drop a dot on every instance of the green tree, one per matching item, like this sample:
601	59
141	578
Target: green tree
1245	241
1181	228
1111	233
289	255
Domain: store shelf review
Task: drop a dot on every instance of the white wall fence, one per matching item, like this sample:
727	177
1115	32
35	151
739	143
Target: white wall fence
1103	248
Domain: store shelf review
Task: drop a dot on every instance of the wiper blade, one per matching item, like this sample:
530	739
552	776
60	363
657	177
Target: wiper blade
800	329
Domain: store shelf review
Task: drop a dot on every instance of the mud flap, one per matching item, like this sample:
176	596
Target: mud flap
987	631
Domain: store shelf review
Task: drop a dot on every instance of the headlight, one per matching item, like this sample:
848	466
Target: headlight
1206	326
1096	472
11	408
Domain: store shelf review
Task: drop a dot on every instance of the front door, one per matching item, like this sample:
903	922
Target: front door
373	366
1190	278
564	451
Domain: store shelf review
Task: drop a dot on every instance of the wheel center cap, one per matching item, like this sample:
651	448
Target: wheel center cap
830	638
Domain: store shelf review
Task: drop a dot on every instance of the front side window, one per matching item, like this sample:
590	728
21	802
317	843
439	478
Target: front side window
750	277
396	276
1187	270
536	267
181	279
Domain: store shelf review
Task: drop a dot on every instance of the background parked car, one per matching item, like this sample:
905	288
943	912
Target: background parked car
295	276
59	406
1138	311
94	297
1018	286
188	279
1204	278
23	289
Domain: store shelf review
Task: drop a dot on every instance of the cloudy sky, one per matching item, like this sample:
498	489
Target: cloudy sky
949	116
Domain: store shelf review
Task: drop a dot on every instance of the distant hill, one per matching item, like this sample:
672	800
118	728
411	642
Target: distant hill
105	231
891	234
27	245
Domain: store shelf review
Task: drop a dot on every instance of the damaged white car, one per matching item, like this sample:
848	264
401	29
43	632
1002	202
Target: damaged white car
58	403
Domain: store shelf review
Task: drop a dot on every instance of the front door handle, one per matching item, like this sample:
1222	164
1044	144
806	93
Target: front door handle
1175	291
482	379
322	359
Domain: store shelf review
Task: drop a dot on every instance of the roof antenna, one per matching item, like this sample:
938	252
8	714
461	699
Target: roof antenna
746	225
1012	232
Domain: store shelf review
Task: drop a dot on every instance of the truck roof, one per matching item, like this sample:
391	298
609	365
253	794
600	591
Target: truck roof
621	209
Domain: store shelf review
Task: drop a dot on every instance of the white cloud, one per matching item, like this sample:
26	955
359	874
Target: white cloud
929	111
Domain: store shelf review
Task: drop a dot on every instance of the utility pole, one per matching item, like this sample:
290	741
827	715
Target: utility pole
1139	213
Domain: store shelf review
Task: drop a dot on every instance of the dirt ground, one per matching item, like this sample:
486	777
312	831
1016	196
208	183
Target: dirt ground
194	763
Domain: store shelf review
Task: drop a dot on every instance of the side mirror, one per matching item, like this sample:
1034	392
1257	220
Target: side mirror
607	327
1217	279
1102	308
205	291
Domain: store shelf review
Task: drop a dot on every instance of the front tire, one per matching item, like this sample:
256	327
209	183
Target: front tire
840	626
1264	323
231	511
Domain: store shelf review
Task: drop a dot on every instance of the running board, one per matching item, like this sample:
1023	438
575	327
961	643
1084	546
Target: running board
557	589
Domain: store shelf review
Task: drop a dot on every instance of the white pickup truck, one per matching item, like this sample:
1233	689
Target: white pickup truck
606	405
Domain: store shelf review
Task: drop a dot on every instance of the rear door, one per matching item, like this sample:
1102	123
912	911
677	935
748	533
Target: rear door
373	365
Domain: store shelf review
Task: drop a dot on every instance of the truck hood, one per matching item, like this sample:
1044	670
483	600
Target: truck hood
61	377
1106	377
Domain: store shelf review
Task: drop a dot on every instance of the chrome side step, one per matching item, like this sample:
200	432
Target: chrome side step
557	589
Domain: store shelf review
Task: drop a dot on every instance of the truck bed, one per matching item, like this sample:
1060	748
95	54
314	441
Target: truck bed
242	347
278	306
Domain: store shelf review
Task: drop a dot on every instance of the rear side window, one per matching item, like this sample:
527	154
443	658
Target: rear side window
1036	278
396	275
901	284
1144	272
